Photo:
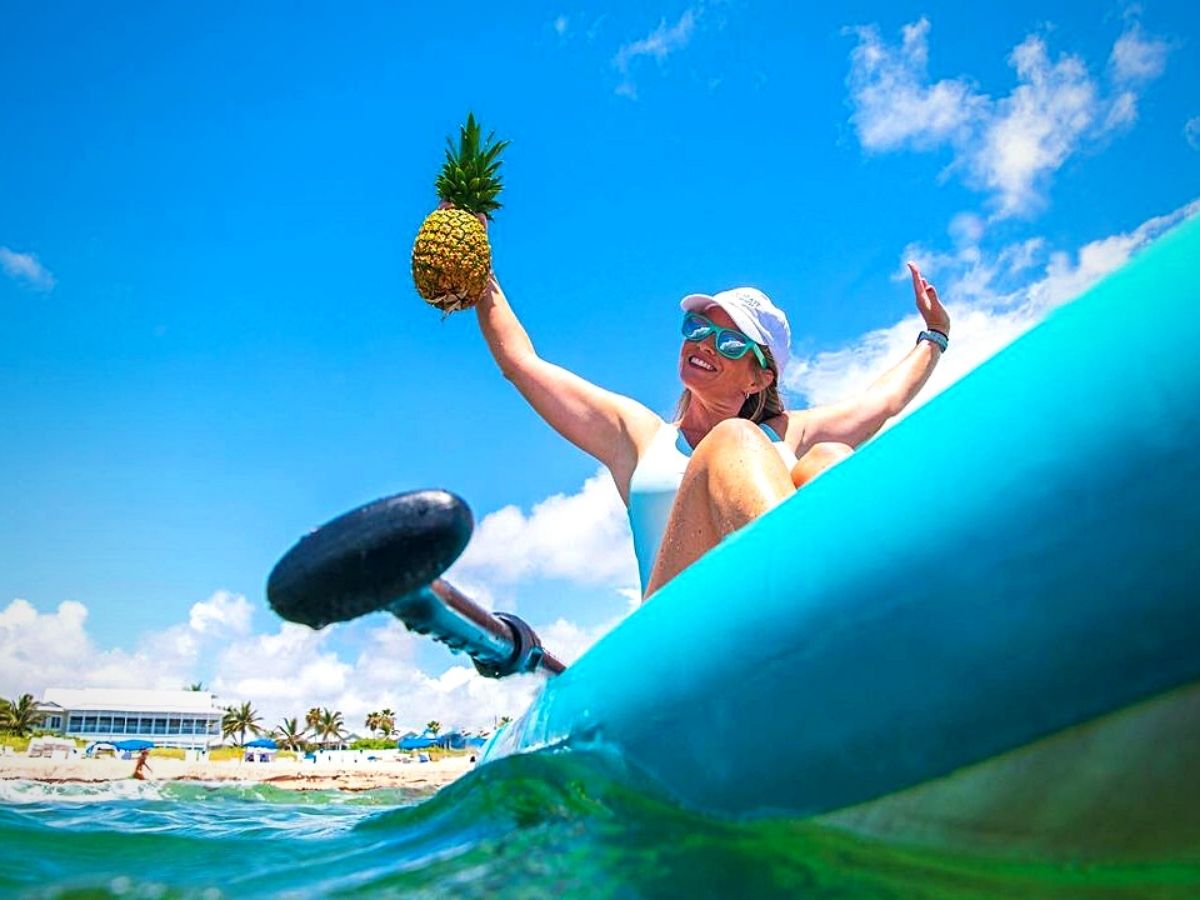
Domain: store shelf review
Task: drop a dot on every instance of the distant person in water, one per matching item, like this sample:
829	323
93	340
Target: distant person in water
143	766
731	451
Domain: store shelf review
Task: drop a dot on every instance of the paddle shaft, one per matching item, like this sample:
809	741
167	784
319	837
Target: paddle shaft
450	616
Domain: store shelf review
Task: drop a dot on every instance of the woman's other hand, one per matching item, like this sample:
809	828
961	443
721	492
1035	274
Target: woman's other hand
928	304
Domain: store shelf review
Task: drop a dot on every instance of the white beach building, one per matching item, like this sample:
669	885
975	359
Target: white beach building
168	718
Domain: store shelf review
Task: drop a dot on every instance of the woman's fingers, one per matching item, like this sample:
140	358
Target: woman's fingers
919	283
928	302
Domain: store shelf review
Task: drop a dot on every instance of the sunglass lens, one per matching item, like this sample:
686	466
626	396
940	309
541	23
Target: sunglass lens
695	328
732	344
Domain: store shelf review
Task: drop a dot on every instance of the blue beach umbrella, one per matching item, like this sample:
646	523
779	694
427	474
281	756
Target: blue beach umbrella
265	743
132	745
416	743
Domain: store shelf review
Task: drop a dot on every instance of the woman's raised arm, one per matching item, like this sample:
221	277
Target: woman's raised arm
608	426
854	421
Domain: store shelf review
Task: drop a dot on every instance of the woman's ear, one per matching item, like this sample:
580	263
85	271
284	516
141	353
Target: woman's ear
762	380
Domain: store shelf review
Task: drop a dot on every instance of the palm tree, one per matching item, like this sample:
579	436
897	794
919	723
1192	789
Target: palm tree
433	727
239	720
312	718
290	735
195	686
20	715
387	722
372	721
329	726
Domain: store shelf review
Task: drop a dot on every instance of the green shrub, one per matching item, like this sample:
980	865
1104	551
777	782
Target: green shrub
374	744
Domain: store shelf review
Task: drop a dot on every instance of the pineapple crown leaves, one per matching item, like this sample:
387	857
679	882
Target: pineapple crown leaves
469	179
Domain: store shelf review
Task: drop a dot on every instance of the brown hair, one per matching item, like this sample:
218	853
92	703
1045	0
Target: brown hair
759	406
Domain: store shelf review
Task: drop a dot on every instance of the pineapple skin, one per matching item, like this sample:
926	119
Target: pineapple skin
451	260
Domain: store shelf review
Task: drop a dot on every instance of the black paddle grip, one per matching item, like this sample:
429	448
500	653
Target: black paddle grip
364	560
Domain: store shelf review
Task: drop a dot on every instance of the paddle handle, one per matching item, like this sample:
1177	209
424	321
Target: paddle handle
500	644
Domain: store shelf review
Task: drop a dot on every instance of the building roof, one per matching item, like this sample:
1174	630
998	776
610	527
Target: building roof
132	699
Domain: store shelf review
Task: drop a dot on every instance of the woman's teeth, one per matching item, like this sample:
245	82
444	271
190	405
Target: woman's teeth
698	362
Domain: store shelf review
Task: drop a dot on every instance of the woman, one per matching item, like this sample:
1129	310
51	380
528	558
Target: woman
142	766
732	452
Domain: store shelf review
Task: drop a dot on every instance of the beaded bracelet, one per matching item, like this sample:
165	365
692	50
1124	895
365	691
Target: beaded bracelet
934	337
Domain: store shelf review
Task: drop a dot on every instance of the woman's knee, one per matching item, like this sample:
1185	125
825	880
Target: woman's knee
817	459
739	471
732	433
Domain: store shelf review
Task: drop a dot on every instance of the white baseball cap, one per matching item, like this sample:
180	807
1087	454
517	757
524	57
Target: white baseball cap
753	313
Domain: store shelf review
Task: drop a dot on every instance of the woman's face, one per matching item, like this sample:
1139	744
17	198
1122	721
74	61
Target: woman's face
706	372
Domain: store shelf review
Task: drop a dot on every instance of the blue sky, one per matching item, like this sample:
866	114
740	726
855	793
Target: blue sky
211	342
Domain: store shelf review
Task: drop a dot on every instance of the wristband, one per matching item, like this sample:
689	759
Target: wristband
934	337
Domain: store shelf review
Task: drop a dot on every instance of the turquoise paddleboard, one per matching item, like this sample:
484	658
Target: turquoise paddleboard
980	631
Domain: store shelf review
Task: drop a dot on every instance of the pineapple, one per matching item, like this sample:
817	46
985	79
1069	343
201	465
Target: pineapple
451	259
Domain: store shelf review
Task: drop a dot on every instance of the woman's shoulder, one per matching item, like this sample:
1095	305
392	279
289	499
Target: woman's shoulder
791	425
779	425
646	427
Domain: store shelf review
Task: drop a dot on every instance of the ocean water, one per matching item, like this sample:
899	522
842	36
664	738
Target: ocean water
561	825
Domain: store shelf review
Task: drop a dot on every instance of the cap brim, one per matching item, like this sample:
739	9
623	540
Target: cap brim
696	302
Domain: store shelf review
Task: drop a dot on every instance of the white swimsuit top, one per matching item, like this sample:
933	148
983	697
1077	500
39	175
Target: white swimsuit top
654	484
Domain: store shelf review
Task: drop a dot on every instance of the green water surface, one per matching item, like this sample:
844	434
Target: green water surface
530	826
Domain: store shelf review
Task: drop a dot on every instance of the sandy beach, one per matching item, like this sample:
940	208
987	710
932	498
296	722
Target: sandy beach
290	774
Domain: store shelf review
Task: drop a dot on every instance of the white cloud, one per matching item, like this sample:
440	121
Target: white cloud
40	650
1137	58
1191	132
287	672
223	612
1036	127
1007	147
281	673
568	641
27	269
581	537
32	642
991	303
1121	112
894	106
658	45
967	228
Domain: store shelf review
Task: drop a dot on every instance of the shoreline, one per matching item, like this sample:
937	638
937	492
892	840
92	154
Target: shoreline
286	774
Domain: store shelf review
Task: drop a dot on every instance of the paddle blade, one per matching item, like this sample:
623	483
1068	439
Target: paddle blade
362	561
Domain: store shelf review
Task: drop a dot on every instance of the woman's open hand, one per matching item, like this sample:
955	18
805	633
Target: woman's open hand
928	304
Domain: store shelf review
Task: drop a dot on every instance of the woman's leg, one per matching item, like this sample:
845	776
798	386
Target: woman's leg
733	477
818	458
